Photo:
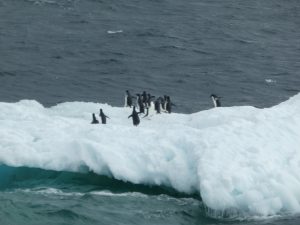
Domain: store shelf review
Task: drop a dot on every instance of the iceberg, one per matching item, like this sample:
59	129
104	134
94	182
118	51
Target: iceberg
241	158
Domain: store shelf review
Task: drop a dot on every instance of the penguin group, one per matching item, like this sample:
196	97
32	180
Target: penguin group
146	101
148	105
101	115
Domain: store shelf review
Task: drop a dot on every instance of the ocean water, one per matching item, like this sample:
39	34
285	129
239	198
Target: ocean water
61	60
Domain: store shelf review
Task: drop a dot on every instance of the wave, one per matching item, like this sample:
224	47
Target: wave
77	183
239	159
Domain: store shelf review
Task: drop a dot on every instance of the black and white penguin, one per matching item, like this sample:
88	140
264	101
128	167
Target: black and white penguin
149	99
103	116
135	117
95	121
216	100
128	99
144	97
157	105
169	104
163	104
140	103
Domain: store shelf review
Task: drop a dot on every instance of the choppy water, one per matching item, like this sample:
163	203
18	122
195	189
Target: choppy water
92	50
59	50
35	196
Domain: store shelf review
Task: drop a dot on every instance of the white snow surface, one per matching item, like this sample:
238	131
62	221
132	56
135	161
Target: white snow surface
240	158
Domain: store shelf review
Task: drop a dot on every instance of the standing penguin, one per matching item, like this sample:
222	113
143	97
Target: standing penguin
149	99
216	100
144	97
103	117
163	103
169	104
157	105
128	99
135	117
95	121
140	103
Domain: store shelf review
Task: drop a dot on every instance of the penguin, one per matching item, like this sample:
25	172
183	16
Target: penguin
169	104
136	103
95	121
157	105
135	117
140	103
128	99
144	97
103	117
152	109
163	103
149	99
216	100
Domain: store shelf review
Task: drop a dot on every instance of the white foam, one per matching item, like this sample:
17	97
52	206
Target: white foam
58	192
114	31
49	191
270	81
124	194
39	2
240	159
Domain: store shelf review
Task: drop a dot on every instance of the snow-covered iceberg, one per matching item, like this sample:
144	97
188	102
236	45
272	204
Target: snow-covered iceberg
242	159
